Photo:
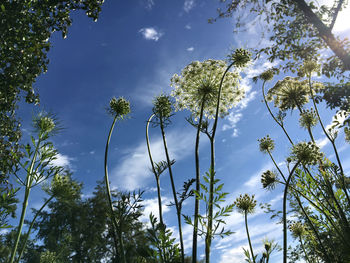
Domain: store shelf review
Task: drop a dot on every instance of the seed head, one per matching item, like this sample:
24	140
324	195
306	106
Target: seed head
245	204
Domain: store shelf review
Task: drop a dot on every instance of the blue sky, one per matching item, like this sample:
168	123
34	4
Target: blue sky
133	50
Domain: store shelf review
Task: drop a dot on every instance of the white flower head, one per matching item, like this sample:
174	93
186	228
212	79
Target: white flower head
199	83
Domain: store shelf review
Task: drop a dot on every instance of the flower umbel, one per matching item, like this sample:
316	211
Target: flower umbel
200	81
307	153
308	119
267	75
119	107
240	57
269	180
245	204
162	106
266	144
297	229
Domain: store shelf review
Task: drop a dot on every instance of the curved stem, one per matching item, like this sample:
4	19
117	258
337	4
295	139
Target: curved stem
250	243
302	246
154	171
30	228
272	115
285	213
29	181
109	196
332	142
279	170
196	204
173	189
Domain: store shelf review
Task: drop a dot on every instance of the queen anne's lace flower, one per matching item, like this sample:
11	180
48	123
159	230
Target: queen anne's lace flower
291	93
201	81
269	180
307	153
297	229
245	204
266	144
119	107
308	119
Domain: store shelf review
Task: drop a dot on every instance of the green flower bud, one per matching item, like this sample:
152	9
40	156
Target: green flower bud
267	75
269	180
266	144
240	57
119	107
245	204
297	229
162	106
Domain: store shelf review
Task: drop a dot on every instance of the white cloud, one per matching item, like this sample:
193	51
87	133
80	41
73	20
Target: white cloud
134	172
188	26
188	5
190	49
150	33
92	152
63	160
151	206
322	142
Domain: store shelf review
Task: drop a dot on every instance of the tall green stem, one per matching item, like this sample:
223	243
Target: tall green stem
154	171
196	204
109	196
29	181
30	228
273	116
178	212
246	228
332	142
285	213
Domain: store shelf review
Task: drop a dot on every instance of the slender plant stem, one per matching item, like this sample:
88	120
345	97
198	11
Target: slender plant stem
332	142
178	212
285	213
154	171
29	181
279	170
246	228
272	115
30	228
196	202
302	246
109	196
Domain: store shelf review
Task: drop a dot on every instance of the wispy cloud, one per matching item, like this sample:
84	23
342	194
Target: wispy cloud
188	26
134	169
236	114
150	33
190	49
149	4
188	5
151	206
63	160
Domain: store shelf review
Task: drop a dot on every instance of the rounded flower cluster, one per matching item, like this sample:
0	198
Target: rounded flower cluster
308	119
162	106
266	144
297	229
245	204
269	180
119	107
307	153
308	68
44	124
63	187
240	57
199	83
267	75
289	93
